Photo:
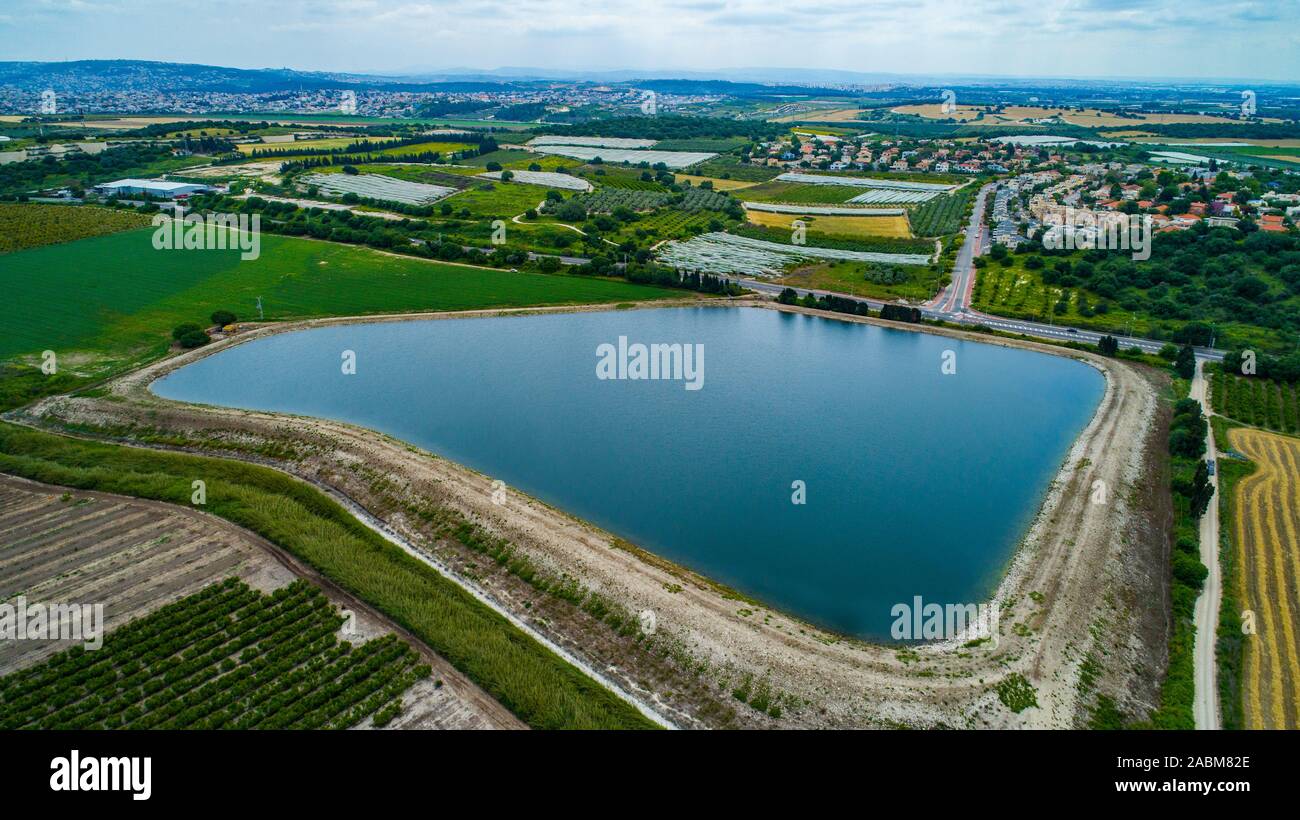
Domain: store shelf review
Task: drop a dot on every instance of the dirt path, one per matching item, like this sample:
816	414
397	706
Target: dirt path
1206	617
1082	581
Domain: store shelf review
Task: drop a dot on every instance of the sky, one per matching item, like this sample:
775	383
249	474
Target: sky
1034	38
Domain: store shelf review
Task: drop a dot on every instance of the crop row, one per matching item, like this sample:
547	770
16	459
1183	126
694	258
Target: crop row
227	656
1261	402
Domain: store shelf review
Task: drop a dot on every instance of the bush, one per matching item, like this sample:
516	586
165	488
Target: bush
181	331
195	338
221	318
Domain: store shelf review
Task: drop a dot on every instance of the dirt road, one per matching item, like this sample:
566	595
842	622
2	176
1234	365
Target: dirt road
1206	618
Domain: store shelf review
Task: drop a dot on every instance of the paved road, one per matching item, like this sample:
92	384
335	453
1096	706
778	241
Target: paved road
1206	617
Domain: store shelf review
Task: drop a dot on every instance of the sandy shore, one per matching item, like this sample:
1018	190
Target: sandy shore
1084	585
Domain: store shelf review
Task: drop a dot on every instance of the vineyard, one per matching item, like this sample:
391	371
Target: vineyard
1266	521
226	657
941	215
31	226
1260	402
692	201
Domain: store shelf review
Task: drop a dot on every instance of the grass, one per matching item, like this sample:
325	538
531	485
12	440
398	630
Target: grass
796	193
535	684
226	657
499	201
32	225
117	294
850	277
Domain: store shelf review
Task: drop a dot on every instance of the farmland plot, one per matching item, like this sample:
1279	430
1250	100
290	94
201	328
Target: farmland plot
886	196
593	142
822	210
727	253
380	187
1267	532
671	159
545	178
865	182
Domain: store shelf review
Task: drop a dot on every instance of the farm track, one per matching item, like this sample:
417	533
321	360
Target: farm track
134	556
1094	571
1267	530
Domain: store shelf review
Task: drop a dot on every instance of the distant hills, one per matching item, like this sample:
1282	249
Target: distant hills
142	75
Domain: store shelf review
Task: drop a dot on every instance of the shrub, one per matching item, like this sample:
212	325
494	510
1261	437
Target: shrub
195	338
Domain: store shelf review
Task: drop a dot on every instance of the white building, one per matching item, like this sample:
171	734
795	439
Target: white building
157	188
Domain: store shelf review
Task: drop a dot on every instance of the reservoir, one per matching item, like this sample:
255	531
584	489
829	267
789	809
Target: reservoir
922	459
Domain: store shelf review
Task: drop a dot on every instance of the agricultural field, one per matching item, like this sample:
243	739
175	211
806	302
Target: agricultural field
443	148
32	225
942	215
718	183
495	200
1088	117
692	201
378	187
895	226
135	558
798	194
545	179
821	210
890	282
866	182
1265	403
592	142
298	146
1266	530
228	657
671	159
726	166
120	296
539	687
732	254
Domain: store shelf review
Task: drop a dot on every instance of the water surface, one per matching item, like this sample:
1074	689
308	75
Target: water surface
917	482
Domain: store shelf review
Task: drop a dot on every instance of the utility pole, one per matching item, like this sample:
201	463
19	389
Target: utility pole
260	315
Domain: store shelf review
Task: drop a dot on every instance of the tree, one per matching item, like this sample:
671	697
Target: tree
788	297
221	318
1185	363
183	329
195	338
1108	345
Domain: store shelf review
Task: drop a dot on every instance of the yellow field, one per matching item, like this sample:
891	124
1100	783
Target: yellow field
842	225
1283	157
1267	534
1284	143
127	122
1021	114
718	184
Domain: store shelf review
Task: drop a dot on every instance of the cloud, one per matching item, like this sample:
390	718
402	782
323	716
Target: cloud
1041	37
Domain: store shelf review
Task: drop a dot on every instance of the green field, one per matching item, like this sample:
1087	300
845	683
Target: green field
227	657
1265	403
117	294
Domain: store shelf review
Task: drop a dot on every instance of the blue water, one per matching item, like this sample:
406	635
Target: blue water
917	482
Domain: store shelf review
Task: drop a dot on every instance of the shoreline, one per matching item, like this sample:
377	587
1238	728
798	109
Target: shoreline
793	637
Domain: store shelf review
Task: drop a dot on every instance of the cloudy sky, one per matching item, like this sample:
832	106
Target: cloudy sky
1060	38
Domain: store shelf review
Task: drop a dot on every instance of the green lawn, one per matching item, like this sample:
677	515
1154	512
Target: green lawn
116	294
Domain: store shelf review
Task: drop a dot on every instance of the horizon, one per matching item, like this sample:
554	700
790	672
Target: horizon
1135	40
